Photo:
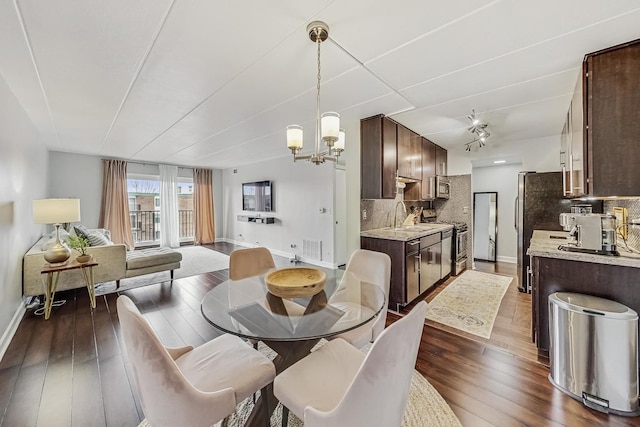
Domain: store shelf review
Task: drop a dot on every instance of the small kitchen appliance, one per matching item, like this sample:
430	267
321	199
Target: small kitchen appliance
590	233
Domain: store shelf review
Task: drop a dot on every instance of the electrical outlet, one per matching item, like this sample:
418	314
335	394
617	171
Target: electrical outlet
364	214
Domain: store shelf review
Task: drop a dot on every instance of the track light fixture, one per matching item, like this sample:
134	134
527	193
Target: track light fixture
479	131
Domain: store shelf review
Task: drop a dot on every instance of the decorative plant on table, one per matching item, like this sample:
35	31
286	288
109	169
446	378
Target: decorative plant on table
80	244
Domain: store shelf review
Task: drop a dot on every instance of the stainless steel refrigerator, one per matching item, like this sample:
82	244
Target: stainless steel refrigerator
539	204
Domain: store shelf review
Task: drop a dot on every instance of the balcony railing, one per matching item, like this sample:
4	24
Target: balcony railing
145	225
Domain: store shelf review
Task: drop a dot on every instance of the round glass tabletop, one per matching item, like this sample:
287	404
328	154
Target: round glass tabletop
246	308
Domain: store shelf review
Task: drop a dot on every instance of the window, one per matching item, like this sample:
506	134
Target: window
144	204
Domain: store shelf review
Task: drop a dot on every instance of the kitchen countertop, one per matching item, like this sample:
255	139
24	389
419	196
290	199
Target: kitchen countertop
406	232
545	244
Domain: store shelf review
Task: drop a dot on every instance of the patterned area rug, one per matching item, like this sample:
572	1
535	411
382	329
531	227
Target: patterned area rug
425	406
470	303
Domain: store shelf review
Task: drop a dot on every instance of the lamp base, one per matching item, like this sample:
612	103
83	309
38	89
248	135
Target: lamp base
58	254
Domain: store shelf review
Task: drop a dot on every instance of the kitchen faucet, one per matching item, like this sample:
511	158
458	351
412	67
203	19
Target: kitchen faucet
395	212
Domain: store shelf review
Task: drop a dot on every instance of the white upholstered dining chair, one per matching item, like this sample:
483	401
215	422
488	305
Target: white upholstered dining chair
374	268
249	262
190	386
338	385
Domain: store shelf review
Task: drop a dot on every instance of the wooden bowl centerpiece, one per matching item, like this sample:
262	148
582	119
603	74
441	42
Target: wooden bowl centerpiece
295	282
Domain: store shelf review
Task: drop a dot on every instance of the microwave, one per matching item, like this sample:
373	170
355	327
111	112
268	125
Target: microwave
443	187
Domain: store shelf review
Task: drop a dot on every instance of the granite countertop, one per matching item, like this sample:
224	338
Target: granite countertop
545	244
406	232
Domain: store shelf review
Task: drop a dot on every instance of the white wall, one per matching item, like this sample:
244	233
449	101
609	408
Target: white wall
77	176
502	179
23	177
300	190
539	155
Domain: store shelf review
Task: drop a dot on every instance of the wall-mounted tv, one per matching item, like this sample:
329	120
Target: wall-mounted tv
257	196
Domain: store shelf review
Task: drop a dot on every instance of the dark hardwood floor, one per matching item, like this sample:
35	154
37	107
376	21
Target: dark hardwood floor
71	370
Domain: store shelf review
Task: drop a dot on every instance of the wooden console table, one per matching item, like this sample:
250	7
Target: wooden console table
53	273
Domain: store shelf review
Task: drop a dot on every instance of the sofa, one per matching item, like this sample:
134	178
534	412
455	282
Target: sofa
114	264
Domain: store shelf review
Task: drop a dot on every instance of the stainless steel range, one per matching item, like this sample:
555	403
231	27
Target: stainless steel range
459	250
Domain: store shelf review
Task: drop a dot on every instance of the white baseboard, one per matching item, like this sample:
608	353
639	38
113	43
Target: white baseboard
281	253
11	329
508	259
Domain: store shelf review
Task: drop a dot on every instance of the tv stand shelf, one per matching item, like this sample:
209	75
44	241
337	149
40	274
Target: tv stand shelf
257	219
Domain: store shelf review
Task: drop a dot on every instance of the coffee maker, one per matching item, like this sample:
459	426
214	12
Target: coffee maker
590	233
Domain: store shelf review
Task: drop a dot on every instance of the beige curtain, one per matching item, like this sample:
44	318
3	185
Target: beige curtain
204	231
114	213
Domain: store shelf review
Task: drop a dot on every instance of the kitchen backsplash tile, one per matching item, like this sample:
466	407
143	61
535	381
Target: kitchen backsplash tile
633	212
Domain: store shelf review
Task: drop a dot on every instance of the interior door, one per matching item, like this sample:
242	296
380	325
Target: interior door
485	226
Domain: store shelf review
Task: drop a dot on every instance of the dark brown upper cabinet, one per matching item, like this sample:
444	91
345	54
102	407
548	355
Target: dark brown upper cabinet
441	161
572	147
378	153
409	154
428	185
612	120
387	150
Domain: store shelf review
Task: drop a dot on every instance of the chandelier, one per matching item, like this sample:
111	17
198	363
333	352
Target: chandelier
479	131
327	124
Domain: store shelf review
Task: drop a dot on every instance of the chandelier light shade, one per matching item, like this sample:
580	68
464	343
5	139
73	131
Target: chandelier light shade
327	125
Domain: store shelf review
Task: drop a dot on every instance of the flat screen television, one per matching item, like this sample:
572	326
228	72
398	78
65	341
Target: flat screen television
257	196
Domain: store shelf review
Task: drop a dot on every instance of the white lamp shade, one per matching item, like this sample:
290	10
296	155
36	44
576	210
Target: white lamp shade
294	136
56	211
330	125
339	145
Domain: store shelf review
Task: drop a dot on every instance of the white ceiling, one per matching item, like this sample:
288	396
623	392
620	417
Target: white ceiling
215	83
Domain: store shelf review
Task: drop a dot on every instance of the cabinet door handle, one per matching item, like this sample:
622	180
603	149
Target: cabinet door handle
417	261
564	181
571	173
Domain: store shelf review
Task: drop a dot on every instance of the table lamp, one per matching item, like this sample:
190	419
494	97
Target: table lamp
56	212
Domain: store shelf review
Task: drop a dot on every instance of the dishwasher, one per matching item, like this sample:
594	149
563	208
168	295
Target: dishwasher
445	265
412	269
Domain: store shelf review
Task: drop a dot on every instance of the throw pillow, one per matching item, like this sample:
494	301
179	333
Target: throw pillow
81	231
96	238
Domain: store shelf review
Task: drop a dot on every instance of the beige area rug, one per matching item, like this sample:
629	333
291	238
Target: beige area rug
195	260
470	303
425	406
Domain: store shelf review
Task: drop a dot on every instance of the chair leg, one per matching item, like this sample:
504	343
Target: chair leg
117	284
255	347
285	416
265	405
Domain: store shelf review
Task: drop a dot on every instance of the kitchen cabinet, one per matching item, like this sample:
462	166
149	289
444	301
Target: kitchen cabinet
612	125
415	265
548	275
572	156
387	150
409	154
378	158
441	161
428	184
430	261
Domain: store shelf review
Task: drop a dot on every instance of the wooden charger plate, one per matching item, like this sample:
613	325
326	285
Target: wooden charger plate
295	282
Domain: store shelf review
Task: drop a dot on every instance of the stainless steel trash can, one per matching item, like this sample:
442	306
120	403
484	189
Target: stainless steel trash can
594	351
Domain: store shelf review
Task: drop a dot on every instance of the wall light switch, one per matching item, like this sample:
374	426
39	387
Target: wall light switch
364	214
465	209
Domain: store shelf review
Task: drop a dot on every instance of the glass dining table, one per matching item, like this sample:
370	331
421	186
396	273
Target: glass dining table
290	327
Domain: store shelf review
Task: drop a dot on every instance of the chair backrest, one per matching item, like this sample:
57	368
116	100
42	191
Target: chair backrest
245	263
373	267
379	392
167	398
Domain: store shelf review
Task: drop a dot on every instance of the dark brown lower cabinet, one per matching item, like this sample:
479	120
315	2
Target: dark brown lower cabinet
613	282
